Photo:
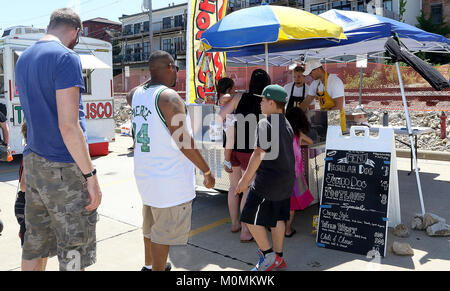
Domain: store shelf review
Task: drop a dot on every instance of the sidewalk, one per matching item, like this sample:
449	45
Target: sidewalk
212	247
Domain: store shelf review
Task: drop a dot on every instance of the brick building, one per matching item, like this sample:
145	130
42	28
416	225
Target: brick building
101	28
439	10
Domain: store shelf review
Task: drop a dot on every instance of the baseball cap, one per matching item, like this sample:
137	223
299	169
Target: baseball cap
311	65
274	92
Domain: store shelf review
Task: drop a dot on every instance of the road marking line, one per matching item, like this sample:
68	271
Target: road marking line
209	226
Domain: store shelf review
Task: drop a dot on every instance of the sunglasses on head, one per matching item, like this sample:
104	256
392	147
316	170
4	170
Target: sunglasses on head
78	36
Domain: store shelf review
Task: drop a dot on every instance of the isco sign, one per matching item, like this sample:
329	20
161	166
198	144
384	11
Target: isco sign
98	110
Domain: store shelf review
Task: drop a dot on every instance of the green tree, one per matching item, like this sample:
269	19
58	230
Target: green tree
402	9
425	23
116	47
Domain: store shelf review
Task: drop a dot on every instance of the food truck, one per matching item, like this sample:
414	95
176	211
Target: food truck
96	60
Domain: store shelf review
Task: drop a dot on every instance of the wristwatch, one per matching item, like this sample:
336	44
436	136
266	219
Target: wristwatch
86	176
227	164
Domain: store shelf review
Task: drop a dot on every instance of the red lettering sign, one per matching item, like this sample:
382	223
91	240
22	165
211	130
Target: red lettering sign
93	111
108	110
203	23
206	14
218	64
100	110
208	7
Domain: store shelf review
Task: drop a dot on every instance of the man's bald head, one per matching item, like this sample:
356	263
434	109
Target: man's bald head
159	59
162	68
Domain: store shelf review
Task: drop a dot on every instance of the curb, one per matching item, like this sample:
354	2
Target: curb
425	155
403	153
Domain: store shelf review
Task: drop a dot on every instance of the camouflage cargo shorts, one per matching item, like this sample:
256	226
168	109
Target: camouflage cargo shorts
56	220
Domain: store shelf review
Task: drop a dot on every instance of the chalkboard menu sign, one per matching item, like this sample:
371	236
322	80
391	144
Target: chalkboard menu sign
354	202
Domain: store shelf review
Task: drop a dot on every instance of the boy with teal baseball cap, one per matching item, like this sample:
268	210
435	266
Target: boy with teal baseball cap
273	163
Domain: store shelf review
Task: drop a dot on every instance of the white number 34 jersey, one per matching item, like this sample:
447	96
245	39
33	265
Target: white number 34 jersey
164	176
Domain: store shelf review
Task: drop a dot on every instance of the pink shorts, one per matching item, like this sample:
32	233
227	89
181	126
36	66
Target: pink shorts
239	159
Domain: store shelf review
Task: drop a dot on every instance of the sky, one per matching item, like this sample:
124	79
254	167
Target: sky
37	13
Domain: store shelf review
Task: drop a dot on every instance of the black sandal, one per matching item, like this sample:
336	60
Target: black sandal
291	234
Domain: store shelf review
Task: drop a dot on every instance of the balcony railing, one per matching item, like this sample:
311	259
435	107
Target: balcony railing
158	27
131	58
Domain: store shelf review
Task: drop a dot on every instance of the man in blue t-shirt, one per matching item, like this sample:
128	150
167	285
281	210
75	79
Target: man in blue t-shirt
62	192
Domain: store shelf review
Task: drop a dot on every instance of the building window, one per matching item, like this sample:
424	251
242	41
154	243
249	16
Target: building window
179	44
342	5
387	4
86	31
87	82
167	45
179	21
137	28
127	29
137	52
252	2
361	7
318	8
146	26
436	13
6	32
167	23
146	54
128	53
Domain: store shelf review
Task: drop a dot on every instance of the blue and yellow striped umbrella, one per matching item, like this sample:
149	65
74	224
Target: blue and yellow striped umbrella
268	24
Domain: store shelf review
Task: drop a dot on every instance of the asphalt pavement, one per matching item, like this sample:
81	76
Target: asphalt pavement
212	246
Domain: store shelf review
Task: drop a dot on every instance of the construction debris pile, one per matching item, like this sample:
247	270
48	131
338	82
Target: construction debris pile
122	112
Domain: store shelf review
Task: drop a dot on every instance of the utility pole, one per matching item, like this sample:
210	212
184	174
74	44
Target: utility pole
150	24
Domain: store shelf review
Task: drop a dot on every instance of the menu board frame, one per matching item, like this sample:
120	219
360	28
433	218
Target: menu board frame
354	158
355	201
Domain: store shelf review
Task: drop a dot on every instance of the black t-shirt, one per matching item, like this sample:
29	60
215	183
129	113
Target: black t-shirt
2	117
249	107
275	176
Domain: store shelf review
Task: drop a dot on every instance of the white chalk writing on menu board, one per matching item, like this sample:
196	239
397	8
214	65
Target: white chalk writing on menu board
353	210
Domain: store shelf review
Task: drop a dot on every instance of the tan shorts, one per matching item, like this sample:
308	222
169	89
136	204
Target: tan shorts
167	226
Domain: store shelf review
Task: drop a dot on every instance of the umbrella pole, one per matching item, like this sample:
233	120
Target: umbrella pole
360	87
408	124
266	46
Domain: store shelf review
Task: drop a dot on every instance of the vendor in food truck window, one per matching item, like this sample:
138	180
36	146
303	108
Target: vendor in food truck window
327	88
298	90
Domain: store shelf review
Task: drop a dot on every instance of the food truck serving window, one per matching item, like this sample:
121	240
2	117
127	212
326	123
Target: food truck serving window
89	63
17	54
2	77
6	32
87	82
